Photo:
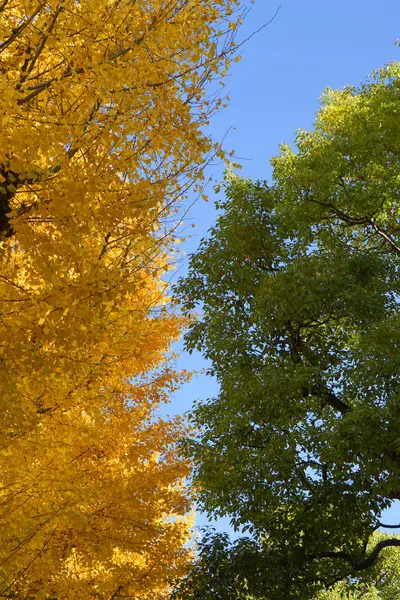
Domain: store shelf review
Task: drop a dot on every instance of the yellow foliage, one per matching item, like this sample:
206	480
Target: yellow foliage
101	135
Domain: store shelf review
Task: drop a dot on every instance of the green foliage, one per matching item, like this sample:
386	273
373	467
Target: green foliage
242	570
224	571
298	287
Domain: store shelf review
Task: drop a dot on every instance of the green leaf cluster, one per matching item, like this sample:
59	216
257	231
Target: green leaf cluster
298	289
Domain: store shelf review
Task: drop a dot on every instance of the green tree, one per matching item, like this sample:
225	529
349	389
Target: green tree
298	286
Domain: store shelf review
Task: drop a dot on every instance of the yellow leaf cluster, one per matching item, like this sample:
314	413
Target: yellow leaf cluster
101	135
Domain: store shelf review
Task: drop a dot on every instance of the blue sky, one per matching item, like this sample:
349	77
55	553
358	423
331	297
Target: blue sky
275	90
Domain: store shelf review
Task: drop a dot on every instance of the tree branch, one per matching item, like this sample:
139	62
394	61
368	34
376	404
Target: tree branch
386	236
335	402
362	565
45	37
295	342
342	215
21	28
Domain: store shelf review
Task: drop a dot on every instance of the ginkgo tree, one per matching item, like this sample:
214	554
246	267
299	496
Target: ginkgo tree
103	109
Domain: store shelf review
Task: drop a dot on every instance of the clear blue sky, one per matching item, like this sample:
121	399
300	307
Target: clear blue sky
275	89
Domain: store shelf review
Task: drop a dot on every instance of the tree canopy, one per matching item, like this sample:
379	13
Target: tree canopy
298	291
103	109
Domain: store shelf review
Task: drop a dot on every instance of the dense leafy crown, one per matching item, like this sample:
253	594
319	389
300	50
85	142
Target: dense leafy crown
102	114
298	287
